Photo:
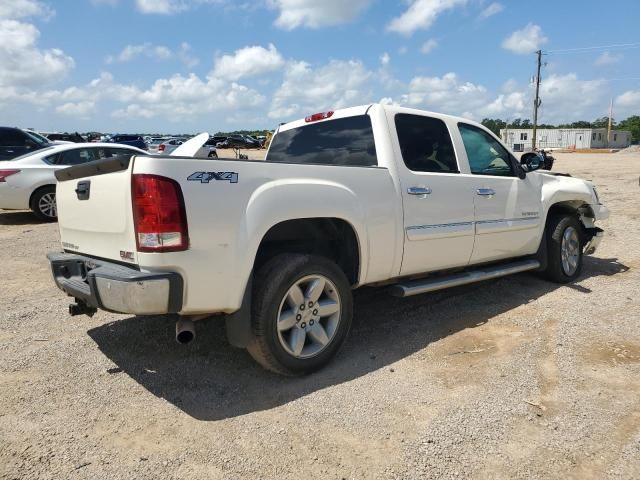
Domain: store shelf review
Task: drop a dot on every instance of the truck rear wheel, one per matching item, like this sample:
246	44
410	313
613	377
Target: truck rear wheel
564	247
302	309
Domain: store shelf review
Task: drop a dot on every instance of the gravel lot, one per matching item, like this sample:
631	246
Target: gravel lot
514	378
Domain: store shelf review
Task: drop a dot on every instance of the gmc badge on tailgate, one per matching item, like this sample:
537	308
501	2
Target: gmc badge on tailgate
206	177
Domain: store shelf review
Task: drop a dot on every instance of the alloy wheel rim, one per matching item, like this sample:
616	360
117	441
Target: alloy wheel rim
47	205
308	316
570	251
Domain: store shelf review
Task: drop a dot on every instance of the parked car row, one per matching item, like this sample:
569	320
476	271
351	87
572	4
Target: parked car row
27	174
19	141
28	181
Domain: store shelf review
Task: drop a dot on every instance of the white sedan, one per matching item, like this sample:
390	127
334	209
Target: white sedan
28	182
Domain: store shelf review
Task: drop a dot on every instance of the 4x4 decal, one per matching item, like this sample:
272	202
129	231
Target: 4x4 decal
206	177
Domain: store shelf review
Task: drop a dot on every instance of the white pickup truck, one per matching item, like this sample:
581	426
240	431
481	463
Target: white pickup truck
371	195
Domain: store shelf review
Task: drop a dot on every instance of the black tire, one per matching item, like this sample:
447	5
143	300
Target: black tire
555	231
213	155
270	287
38	201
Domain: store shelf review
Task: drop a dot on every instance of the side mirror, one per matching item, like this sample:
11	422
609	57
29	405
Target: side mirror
531	162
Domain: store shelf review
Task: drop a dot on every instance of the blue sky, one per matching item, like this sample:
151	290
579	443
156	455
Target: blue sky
195	65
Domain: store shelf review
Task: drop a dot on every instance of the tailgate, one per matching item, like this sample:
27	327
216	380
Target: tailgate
95	216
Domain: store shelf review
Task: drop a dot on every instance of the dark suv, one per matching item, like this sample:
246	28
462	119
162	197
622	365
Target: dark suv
15	142
66	137
131	140
239	141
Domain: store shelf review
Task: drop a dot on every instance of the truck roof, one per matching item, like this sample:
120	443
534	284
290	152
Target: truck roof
363	109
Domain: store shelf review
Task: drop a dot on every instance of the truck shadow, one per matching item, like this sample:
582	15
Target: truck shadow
8	217
210	380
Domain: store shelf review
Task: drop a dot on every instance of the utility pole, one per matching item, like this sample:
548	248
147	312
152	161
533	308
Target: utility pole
536	102
610	122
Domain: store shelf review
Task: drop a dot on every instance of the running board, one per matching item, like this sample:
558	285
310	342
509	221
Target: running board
417	287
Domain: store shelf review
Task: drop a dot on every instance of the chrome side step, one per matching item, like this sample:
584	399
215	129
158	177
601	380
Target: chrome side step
417	287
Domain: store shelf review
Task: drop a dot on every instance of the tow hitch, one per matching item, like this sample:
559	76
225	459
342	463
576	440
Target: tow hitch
81	308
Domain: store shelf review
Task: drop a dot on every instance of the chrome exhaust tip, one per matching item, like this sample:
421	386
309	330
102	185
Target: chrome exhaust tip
185	331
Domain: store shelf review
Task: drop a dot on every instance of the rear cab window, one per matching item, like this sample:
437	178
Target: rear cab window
425	144
343	141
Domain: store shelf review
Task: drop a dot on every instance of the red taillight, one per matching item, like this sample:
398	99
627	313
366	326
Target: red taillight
158	214
318	116
7	173
161	147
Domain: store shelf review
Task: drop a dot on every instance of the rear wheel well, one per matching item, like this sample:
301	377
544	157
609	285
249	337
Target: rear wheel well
332	238
33	194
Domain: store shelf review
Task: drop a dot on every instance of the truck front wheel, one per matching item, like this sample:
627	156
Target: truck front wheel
564	247
302	309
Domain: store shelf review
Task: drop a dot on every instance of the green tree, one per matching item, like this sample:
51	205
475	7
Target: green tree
515	123
602	122
633	125
494	124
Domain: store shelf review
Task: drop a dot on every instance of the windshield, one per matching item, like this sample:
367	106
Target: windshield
31	153
39	139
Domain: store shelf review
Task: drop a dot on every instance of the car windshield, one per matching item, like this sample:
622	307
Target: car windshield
39	139
31	153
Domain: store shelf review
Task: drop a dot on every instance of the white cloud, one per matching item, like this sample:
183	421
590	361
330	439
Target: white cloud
81	110
445	94
248	62
388	101
421	14
385	59
24	8
566	97
186	56
607	59
428	46
130	52
157	52
161	7
165	7
187	97
304	90
511	105
23	63
491	10
316	14
629	99
525	41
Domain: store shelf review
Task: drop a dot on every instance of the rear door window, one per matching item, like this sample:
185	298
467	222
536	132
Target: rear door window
425	144
77	156
344	141
122	151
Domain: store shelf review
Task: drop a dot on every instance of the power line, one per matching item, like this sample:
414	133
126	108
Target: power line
624	46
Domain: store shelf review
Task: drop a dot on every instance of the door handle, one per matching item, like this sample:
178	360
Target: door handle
486	192
83	190
419	191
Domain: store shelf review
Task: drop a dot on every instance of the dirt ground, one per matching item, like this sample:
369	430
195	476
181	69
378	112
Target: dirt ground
514	378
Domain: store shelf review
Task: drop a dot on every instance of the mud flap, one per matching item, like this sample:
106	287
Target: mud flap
238	324
542	255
